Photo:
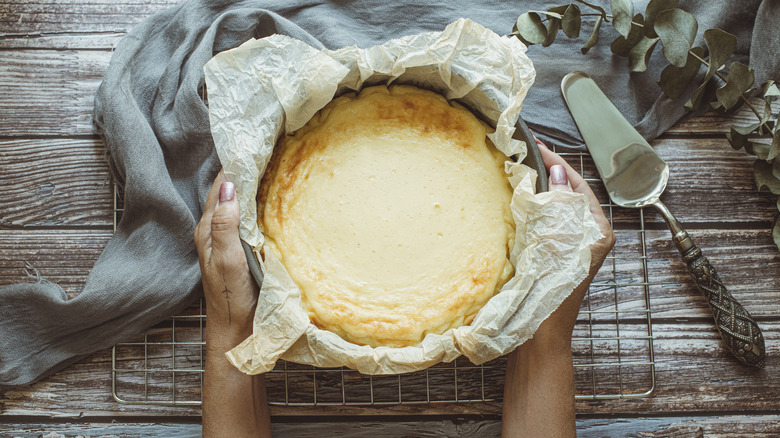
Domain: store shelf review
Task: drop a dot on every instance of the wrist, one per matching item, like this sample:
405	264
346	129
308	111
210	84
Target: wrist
544	348
223	337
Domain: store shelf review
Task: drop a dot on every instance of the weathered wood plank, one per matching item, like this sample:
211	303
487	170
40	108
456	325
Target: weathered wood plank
711	426
726	426
98	430
54	182
72	24
61	256
746	260
694	375
712	123
49	93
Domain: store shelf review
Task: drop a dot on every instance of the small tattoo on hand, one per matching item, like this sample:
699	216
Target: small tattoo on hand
227	293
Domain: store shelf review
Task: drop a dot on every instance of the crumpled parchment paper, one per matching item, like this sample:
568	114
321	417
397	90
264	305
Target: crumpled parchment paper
276	84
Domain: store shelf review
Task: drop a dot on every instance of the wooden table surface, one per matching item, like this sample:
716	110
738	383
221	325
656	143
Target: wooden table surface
56	212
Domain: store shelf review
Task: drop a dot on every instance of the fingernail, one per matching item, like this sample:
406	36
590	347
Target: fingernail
558	175
539	142
226	191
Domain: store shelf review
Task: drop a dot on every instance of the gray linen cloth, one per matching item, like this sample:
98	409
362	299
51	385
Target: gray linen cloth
156	131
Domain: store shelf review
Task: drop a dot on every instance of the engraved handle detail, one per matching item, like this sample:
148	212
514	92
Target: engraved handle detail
738	329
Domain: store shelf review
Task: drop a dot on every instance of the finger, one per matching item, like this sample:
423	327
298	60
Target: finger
213	197
576	181
203	231
578	185
559	179
550	159
224	221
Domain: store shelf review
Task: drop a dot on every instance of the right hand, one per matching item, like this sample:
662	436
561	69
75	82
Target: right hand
563	177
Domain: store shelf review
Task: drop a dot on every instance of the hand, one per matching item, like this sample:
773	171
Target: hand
539	388
234	404
563	177
230	290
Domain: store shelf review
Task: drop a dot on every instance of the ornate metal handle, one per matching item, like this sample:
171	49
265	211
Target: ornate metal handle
738	329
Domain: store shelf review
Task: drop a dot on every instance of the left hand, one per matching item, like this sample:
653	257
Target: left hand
230	291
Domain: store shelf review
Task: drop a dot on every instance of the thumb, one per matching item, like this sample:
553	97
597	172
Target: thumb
559	180
224	221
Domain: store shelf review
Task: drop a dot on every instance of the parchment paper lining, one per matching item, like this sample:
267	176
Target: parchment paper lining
276	84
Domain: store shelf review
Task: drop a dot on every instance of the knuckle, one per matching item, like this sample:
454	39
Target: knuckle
221	221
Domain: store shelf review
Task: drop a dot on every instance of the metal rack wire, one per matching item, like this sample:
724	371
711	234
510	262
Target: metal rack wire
612	345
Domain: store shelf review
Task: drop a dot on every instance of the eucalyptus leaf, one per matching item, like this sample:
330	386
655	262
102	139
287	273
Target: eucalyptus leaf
738	138
776	230
774	150
572	20
594	36
622	11
697	97
559	10
640	54
746	130
598	8
765	178
531	29
677	30
738	81
653	8
760	150
776	169
769	93
622	45
674	80
721	45
550	12
553	25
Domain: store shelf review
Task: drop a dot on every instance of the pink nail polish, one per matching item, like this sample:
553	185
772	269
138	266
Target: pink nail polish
558	175
226	191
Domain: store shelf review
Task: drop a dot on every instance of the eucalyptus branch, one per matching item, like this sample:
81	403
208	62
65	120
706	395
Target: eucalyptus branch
665	24
744	100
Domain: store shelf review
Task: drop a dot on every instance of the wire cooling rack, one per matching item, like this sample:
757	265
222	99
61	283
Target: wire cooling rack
612	344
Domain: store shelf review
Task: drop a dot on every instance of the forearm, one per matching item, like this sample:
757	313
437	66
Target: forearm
234	404
539	388
539	392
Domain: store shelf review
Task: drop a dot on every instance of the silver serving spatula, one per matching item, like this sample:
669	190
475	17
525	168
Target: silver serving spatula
635	176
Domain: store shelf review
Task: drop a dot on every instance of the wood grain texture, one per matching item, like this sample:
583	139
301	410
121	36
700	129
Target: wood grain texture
713	124
694	375
72	24
746	260
725	426
49	183
61	256
49	93
645	427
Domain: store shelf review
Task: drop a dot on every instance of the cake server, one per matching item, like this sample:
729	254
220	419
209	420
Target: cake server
635	176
